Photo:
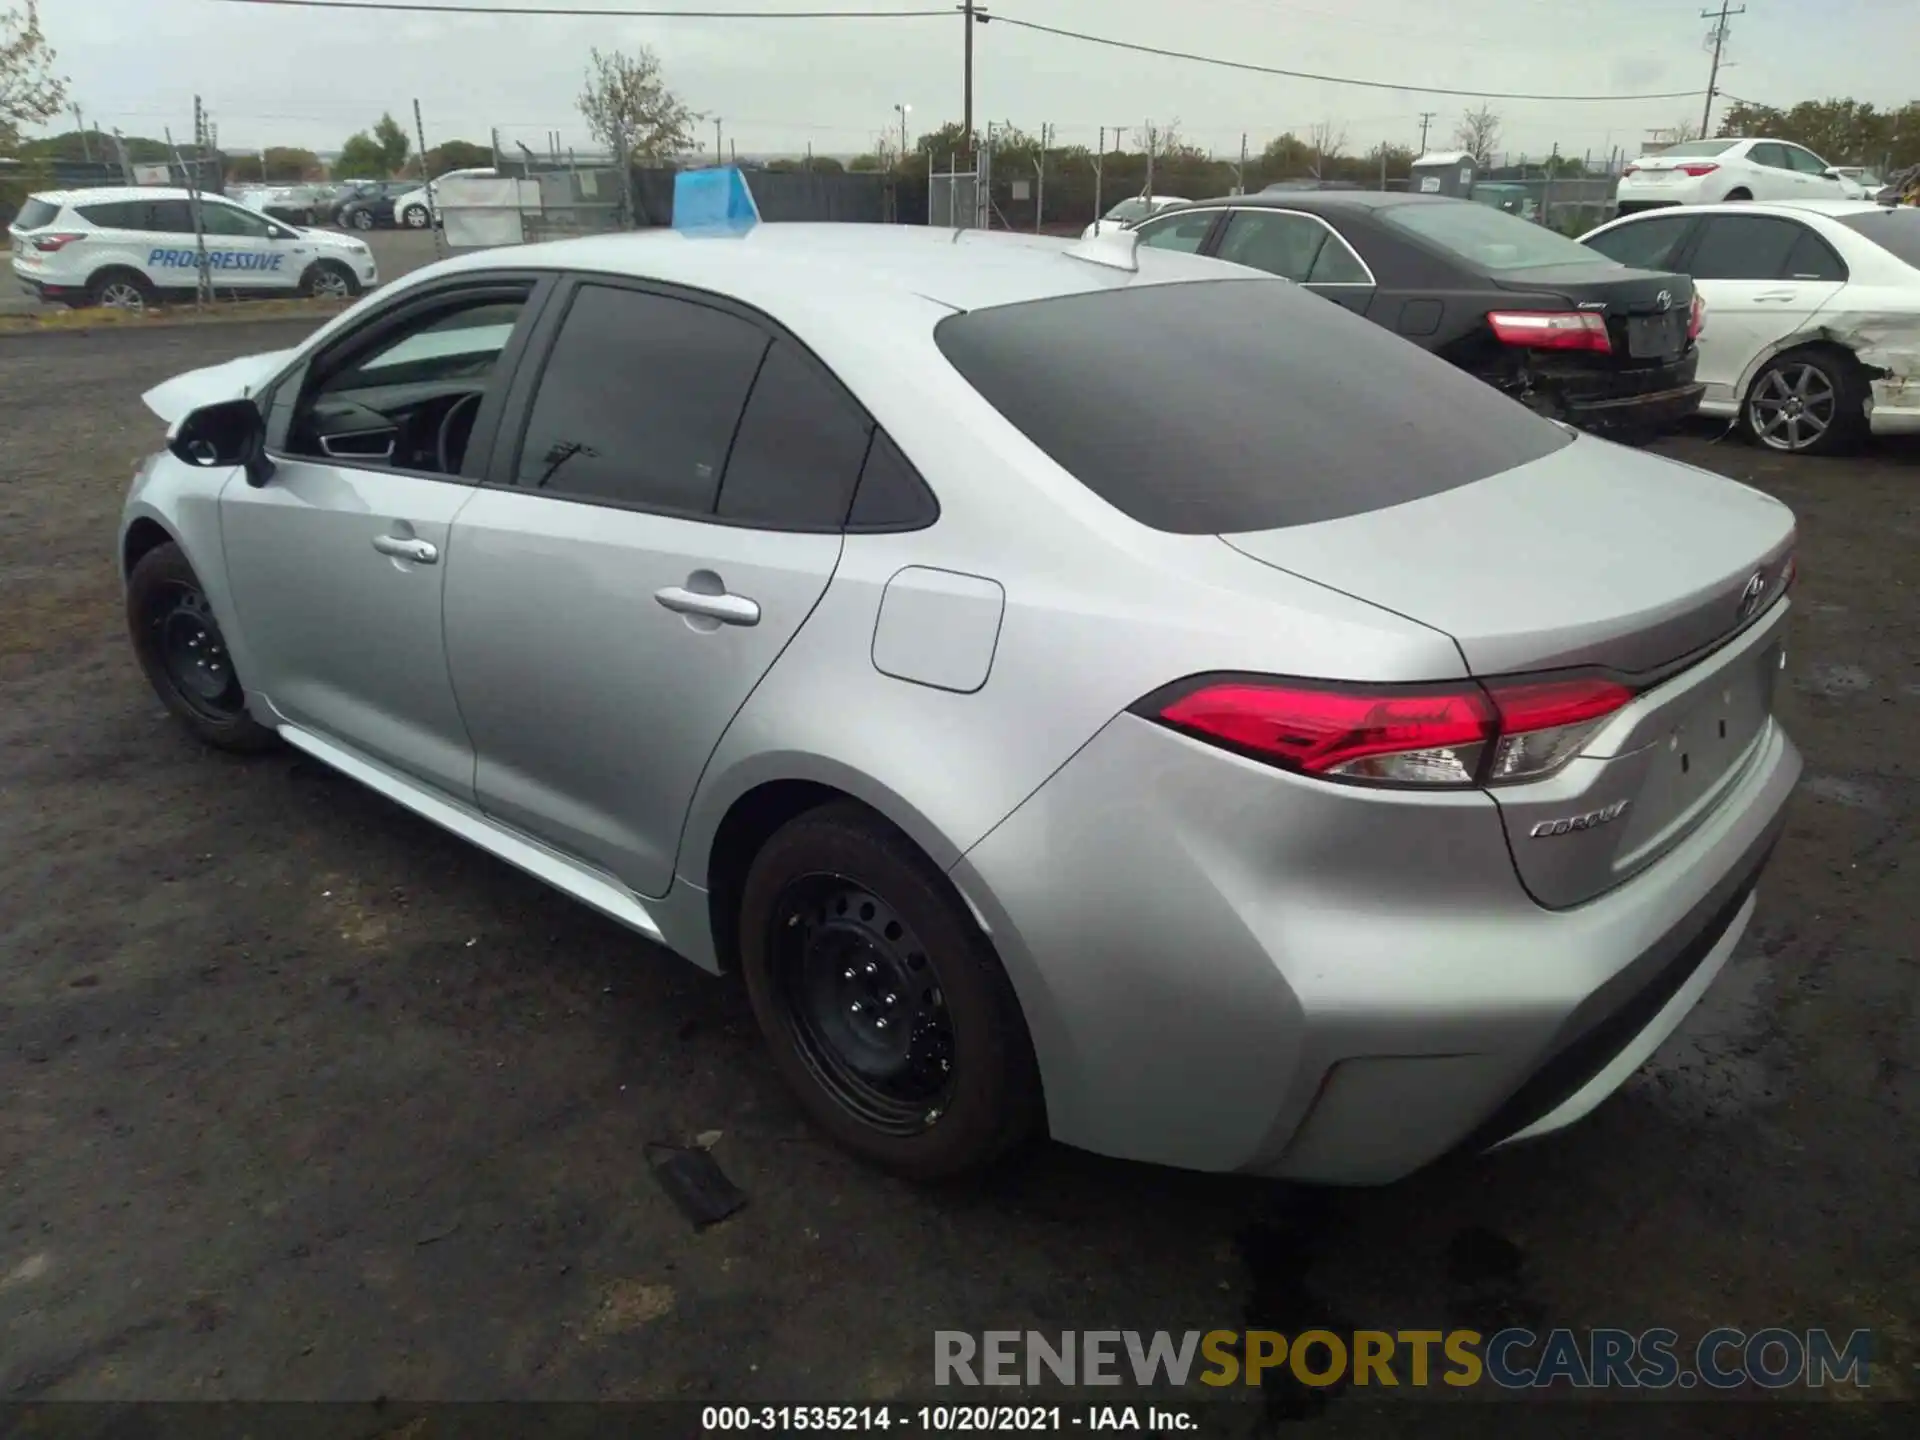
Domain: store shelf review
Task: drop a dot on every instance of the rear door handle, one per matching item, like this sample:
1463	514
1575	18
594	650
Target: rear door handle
727	609
1778	296
421	552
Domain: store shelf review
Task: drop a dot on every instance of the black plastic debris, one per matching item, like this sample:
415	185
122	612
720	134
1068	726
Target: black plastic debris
695	1183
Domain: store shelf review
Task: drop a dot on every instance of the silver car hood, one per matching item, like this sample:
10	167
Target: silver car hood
234	380
1594	555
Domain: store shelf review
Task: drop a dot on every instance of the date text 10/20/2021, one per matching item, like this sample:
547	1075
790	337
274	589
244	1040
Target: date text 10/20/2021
941	1419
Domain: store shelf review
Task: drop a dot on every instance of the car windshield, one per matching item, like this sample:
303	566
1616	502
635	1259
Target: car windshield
1895	231
1129	210
1696	147
1489	238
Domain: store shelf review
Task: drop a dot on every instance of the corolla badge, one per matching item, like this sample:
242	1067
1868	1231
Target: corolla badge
1750	594
1573	824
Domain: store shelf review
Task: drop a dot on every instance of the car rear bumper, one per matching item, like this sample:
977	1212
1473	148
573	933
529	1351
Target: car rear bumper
1643	398
1651	410
1226	967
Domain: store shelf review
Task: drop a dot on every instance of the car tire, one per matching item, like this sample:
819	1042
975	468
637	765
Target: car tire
1739	193
329	280
845	928
415	217
363	219
1831	391
180	648
121	289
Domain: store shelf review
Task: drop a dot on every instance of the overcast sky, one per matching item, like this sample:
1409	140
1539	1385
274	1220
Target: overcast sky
274	75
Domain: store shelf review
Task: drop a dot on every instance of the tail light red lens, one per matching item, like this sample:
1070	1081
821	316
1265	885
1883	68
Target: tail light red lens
1446	735
1697	168
1552	329
51	243
1697	320
1631	170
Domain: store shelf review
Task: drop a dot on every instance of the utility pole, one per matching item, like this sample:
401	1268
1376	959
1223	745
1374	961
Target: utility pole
433	201
719	154
1719	38
1240	173
1040	176
1099	167
972	13
1426	119
80	124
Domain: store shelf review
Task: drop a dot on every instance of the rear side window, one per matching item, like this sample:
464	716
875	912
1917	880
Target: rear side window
639	400
1643	244
892	495
1813	259
797	457
122	215
36	215
1222	406
1895	231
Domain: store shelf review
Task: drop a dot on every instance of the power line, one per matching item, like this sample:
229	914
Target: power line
581	11
1326	79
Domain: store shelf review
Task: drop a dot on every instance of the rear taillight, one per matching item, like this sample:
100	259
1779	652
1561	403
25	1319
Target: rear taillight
1430	735
1697	168
1552	329
1697	319
1631	170
50	243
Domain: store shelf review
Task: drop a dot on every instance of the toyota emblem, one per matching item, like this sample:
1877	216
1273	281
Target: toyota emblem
1750	594
1663	302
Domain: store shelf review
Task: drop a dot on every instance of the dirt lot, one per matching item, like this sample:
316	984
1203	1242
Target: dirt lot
304	1099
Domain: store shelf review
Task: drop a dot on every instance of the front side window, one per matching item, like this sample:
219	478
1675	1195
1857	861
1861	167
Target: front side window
1185	232
1744	247
407	398
230	222
1805	161
639	401
1643	244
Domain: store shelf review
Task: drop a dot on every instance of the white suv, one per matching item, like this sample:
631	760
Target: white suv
129	247
1700	172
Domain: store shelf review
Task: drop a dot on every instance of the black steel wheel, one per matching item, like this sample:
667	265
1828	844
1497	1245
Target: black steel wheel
863	1003
1807	402
179	645
887	1012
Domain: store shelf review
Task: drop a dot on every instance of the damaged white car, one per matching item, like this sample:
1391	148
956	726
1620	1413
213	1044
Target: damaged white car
1813	339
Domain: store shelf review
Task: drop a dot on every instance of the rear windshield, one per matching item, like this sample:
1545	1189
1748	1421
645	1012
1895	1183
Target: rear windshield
1697	147
1489	238
1222	406
1128	211
35	215
1895	231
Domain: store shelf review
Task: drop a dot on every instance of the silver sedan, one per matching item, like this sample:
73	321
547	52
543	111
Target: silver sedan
1087	690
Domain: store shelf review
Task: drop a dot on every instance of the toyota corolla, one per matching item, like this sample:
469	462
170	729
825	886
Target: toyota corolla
1086	689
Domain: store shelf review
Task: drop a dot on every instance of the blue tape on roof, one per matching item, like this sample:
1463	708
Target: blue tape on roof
708	200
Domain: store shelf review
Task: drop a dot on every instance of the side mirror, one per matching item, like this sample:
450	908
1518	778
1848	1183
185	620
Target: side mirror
1831	173
228	433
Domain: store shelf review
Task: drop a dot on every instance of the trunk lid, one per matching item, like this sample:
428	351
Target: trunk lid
1646	311
1593	556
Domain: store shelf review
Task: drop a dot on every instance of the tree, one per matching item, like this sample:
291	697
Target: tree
30	92
1286	157
361	158
282	164
458	155
1326	141
1477	133
951	139
629	108
827	165
393	142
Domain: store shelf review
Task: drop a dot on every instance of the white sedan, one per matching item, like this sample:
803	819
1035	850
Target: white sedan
1701	172
1130	211
1812	337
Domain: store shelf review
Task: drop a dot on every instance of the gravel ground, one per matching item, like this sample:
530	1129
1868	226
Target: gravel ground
304	1099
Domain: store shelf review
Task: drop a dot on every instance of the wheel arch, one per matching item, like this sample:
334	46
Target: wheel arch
143	535
1811	337
731	820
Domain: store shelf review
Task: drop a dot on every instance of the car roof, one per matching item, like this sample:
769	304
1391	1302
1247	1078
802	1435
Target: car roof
782	267
1832	209
1331	199
99	194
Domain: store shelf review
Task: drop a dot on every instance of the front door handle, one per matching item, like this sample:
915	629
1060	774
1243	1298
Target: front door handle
727	609
421	552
